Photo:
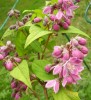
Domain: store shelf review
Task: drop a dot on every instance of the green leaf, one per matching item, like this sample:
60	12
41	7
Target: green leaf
72	95
21	72
51	44
26	11
38	69
73	29
36	46
54	1
65	94
35	33
20	42
8	32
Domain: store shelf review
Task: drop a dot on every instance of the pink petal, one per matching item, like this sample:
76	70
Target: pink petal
65	71
57	69
80	68
59	15
56	87
64	82
74	7
76	77
76	61
69	79
47	10
69	12
50	83
75	72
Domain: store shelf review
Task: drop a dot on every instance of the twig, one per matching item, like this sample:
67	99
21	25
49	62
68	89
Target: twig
45	90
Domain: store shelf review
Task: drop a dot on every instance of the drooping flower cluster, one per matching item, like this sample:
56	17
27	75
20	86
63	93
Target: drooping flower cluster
69	59
5	55
18	87
60	14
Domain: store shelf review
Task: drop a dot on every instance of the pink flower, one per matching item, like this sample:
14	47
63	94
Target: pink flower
47	10
70	80
53	83
69	11
77	53
57	52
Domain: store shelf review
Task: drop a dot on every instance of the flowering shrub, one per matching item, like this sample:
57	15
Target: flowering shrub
29	57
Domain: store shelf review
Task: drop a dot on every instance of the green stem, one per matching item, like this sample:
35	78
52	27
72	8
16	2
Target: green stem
35	94
45	46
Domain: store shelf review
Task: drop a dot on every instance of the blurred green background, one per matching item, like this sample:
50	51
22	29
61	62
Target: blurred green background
84	86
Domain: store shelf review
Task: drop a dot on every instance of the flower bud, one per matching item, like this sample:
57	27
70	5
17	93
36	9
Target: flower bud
3	48
47	68
24	87
8	43
9	65
45	21
20	24
57	52
12	27
13	94
13	84
17	59
36	20
65	54
11	13
52	17
81	40
56	27
84	50
47	10
17	11
65	25
77	53
74	42
68	21
17	96
1	57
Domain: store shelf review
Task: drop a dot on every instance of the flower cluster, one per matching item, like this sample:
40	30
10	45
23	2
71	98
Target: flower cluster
9	61
56	16
60	14
69	59
18	87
